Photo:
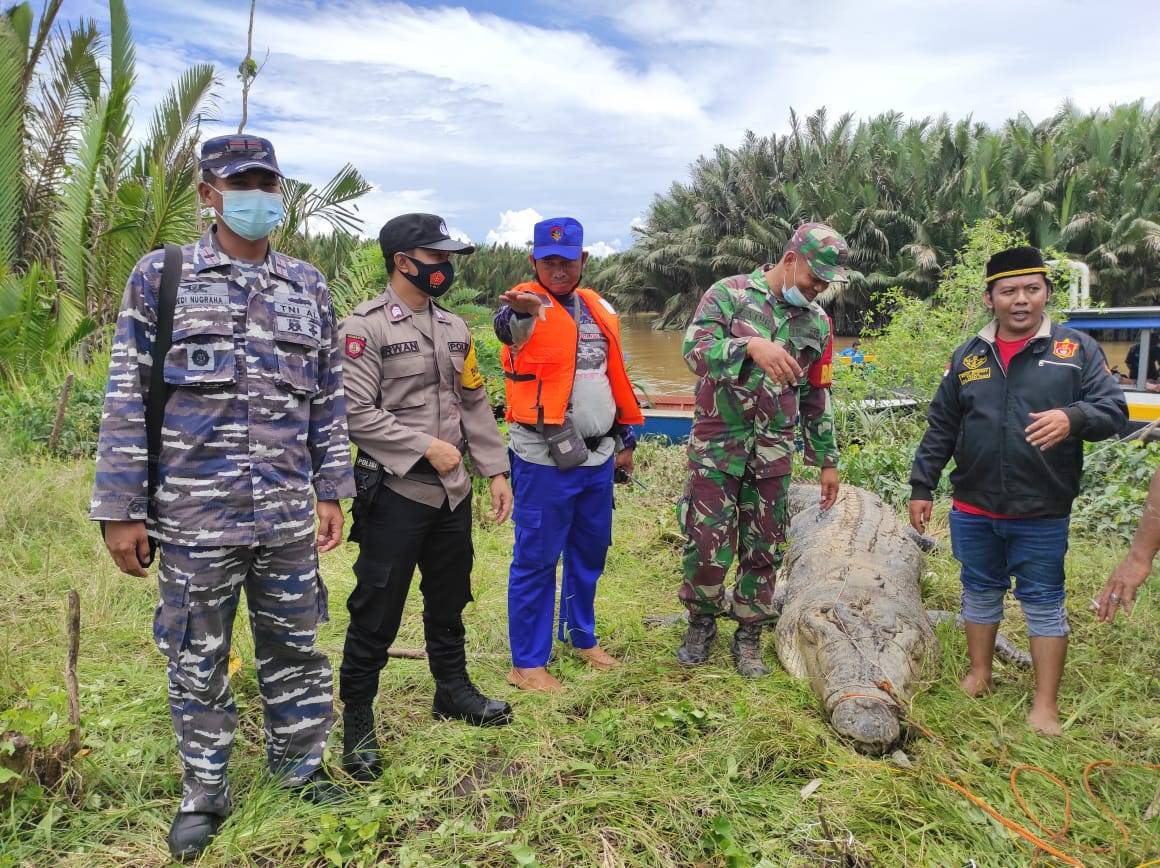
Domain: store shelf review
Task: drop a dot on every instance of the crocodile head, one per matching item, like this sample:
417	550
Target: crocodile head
870	723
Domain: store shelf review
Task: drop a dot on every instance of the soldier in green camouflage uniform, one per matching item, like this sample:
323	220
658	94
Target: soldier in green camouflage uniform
762	350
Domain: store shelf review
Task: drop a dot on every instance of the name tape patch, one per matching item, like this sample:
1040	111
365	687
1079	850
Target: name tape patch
203	295
296	326
400	348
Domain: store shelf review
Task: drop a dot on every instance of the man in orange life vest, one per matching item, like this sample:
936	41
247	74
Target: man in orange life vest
569	402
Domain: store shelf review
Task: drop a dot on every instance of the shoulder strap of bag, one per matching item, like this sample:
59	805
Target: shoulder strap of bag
158	389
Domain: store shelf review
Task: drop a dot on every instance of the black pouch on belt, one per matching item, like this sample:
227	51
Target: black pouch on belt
566	447
368	478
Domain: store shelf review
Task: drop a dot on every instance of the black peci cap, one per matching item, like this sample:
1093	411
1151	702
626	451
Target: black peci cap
408	231
1015	262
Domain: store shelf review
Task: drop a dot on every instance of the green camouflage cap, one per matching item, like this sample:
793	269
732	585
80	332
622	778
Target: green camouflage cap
823	249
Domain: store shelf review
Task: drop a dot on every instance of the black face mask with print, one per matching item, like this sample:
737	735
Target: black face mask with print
432	279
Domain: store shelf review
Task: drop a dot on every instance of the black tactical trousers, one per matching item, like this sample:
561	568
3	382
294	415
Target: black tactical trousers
398	534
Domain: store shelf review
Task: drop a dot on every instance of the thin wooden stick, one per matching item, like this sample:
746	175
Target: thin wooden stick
70	673
407	653
58	423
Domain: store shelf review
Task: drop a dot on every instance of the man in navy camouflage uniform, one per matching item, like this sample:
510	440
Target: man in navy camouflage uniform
255	419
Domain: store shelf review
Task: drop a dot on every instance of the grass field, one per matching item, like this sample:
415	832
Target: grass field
652	764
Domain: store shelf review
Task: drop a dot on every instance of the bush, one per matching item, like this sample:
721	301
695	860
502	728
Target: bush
28	409
1114	488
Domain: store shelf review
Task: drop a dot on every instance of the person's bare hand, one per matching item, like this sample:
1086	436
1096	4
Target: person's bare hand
522	302
830	486
920	511
128	543
1121	586
624	461
329	525
501	499
775	360
1048	428
443	456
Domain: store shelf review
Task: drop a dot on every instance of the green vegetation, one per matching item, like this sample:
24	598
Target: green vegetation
654	764
82	197
651	765
901	192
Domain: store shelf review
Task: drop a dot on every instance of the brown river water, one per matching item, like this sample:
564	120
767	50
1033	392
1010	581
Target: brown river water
656	365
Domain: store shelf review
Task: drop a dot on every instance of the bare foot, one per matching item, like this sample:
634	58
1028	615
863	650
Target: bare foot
1044	721
598	658
537	679
976	685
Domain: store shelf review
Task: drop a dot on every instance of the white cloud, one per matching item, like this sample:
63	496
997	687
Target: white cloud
467	114
600	249
459	235
515	227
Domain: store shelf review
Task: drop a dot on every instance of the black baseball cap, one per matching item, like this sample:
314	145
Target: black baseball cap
232	155
408	231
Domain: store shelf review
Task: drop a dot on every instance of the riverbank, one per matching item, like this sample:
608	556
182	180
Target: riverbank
652	765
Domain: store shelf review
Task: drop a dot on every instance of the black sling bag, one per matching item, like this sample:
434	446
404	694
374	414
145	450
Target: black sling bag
158	388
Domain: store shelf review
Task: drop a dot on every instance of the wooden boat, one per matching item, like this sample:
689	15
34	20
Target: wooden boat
1143	403
666	416
671	416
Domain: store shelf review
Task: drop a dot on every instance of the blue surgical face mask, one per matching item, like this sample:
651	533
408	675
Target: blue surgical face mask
252	214
791	294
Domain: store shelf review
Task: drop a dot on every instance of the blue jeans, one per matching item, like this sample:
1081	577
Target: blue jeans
991	550
557	512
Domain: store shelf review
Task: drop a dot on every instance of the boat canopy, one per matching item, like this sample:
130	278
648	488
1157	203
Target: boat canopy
1114	318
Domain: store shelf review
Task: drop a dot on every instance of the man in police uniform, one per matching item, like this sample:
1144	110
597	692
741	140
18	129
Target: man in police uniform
255	419
415	402
762	350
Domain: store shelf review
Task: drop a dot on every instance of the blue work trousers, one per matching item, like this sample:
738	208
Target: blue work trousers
556	512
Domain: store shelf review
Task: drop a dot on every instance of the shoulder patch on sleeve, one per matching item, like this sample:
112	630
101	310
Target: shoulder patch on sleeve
355	346
471	377
821	373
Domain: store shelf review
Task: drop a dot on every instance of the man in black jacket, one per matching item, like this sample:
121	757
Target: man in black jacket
1015	405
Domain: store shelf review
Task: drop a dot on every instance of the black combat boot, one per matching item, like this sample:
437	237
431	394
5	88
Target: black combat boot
698	640
455	695
319	789
746	650
191	833
360	746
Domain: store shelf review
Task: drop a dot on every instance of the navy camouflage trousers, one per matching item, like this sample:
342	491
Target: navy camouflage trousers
193	626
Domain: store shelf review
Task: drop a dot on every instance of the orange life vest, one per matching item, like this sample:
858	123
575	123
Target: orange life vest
538	377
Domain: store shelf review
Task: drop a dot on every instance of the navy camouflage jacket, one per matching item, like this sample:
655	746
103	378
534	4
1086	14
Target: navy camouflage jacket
255	417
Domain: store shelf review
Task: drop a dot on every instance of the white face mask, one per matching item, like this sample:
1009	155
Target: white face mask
791	294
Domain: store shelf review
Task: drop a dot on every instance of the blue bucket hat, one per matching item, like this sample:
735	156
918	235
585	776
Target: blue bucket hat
558	236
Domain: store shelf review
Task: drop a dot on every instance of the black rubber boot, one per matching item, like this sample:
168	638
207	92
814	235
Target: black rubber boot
321	790
698	640
190	834
455	695
360	746
746	650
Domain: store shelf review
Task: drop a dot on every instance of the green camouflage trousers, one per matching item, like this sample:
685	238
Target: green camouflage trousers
723	514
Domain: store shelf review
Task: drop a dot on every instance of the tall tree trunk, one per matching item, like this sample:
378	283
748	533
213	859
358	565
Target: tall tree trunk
246	71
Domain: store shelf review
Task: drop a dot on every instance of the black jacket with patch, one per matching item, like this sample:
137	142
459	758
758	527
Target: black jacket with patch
979	415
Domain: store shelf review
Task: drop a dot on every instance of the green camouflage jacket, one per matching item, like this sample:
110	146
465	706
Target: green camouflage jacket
742	418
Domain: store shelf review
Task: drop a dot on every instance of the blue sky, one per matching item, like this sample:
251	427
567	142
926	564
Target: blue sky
492	114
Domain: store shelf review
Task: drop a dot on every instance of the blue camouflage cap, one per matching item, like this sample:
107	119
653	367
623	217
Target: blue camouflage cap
558	236
231	155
